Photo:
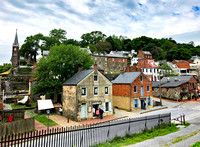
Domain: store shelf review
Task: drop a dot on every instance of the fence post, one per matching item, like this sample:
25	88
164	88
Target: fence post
129	127
108	134
159	121
145	123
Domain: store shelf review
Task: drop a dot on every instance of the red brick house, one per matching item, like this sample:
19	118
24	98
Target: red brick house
131	91
144	54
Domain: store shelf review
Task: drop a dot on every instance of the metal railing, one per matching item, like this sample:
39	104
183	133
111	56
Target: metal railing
84	136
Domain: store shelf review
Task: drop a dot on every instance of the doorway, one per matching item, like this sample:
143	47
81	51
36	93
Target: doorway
142	104
95	108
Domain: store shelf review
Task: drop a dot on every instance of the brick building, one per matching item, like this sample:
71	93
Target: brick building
15	54
131	90
144	54
85	92
110	63
179	87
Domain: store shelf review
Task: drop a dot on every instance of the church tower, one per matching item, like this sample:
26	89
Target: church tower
15	54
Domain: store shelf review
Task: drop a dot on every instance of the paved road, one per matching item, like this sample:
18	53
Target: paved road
192	113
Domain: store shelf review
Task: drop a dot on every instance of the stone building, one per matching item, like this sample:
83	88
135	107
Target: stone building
110	63
131	91
84	93
177	88
15	54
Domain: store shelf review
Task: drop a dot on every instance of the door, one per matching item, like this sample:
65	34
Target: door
142	91
142	104
83	111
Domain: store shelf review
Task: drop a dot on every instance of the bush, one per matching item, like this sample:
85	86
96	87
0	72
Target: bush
22	62
26	69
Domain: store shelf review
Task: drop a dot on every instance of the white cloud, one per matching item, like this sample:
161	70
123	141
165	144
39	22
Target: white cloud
129	18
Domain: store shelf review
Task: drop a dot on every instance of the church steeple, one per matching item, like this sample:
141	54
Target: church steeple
16	40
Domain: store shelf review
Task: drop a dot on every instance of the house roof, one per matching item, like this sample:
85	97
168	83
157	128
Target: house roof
147	53
79	76
172	81
126	78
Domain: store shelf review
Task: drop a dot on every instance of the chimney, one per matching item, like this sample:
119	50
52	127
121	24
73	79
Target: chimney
95	66
121	71
79	69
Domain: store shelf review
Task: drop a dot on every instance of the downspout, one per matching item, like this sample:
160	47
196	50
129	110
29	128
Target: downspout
76	105
130	96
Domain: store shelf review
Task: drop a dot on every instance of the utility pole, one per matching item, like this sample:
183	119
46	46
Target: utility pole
160	88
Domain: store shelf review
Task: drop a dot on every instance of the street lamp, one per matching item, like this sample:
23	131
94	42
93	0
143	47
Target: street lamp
48	111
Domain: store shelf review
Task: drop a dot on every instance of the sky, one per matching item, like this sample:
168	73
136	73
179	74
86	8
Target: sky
179	19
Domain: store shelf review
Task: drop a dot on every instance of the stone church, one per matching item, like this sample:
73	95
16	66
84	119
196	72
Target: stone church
15	54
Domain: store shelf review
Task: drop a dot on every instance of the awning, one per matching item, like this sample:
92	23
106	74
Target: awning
5	73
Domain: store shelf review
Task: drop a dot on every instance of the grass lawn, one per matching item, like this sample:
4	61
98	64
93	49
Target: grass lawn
33	104
42	118
164	129
197	144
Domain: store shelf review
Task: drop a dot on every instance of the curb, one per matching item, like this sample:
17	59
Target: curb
154	110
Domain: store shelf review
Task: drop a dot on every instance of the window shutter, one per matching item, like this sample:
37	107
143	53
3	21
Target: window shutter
133	103
104	106
110	106
150	101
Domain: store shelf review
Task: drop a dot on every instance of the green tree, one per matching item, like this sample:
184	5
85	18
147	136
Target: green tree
103	46
92	38
71	41
62	62
31	46
5	67
183	54
92	48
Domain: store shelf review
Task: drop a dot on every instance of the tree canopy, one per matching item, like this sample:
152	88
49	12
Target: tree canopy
62	63
5	67
165	48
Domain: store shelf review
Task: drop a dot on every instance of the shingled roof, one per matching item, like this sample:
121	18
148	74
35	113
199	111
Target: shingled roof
78	77
172	81
126	78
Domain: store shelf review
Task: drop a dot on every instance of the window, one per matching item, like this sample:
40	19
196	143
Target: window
107	106
123	60
113	64
148	101
143	69
135	89
119	68
95	58
83	91
95	78
113	59
150	70
148	88
106	90
141	78
119	60
99	63
95	90
105	59
135	103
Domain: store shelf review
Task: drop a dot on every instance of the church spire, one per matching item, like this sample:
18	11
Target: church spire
16	40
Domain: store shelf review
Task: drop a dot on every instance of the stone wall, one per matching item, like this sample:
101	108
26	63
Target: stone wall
20	82
169	93
69	101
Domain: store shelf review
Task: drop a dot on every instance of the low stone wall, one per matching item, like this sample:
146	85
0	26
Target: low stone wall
20	82
17	114
169	93
19	126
